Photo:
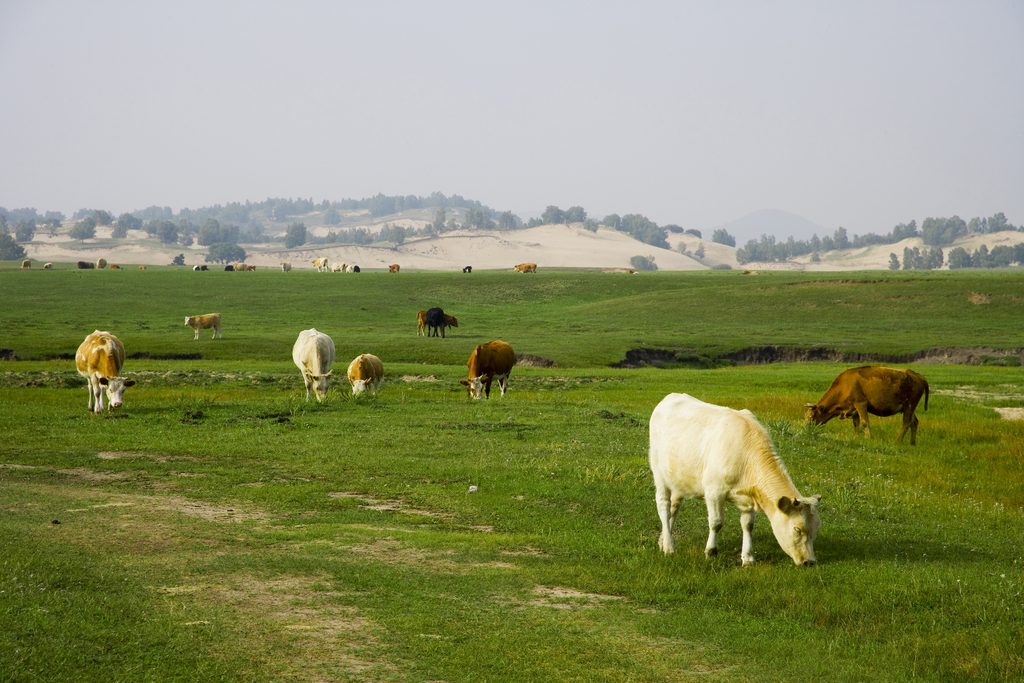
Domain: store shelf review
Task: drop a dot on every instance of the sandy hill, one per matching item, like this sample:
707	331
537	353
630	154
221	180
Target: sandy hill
549	246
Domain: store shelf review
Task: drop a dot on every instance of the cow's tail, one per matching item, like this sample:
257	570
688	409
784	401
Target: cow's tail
926	395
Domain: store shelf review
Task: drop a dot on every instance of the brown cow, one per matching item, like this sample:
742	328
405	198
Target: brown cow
393	268
205	322
249	268
26	264
421	322
493	360
142	267
114	266
872	390
525	268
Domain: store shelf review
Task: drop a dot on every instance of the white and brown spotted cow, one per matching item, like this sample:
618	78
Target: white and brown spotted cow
99	359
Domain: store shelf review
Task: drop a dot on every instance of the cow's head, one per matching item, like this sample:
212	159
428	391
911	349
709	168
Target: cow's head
320	383
474	386
115	387
796	526
189	320
358	386
815	414
452	321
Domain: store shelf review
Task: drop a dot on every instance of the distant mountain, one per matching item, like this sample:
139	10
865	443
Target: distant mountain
781	224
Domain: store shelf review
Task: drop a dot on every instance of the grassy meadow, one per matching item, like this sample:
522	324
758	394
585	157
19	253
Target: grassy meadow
219	527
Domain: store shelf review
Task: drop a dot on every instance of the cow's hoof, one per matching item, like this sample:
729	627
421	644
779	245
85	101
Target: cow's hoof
711	552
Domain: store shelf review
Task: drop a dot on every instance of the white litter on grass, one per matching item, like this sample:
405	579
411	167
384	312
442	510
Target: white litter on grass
472	489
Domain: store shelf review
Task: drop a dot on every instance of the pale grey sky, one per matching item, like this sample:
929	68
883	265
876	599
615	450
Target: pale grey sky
853	114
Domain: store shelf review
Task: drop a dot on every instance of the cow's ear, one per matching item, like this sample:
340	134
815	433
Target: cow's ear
464	382
785	504
810	405
103	381
129	383
329	373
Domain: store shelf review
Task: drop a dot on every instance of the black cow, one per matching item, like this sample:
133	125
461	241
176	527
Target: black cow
203	268
230	269
86	265
355	269
467	269
436	319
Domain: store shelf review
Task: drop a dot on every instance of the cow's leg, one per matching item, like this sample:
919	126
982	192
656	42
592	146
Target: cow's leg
668	506
503	384
305	378
197	333
442	330
99	391
862	410
747	523
716	516
910	424
487	386
92	395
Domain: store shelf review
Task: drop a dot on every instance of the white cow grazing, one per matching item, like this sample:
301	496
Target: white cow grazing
338	268
366	371
700	450
99	359
313	353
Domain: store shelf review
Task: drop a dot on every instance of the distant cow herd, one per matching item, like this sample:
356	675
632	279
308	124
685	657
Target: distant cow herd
696	449
321	265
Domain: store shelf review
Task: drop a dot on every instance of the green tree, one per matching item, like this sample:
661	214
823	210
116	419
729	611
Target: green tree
167	232
998	223
959	258
643	229
179	260
575	214
552	216
225	252
24	231
1001	256
643	263
126	222
506	220
209	233
700	251
103	217
911	258
185	240
84	229
332	217
722	236
295	235
980	258
894	262
439	219
10	250
938	232
840	239
612	220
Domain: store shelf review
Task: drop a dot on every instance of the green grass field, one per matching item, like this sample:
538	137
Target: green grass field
218	527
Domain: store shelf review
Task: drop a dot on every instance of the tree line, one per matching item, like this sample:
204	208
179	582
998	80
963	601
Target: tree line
934	232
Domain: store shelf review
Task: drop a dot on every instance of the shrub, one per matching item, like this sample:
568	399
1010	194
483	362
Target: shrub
643	263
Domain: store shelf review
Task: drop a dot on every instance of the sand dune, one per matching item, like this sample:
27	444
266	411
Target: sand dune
549	246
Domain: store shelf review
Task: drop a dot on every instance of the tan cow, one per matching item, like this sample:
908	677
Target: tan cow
490	361
320	264
99	359
114	266
872	390
313	354
365	372
142	267
338	268
700	450
393	268
525	268
286	267
205	322
101	263
26	264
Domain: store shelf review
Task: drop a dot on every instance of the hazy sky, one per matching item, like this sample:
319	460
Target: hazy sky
855	114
